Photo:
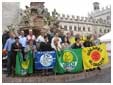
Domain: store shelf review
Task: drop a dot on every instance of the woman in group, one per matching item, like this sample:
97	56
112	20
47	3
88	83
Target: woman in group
56	42
77	44
65	44
16	47
45	46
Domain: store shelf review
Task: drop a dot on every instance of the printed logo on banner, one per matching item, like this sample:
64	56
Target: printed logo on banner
95	55
46	59
70	60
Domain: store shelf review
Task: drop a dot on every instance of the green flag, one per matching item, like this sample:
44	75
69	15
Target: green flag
30	59
18	68
24	67
58	68
69	60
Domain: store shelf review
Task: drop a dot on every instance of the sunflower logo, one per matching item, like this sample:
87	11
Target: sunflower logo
68	57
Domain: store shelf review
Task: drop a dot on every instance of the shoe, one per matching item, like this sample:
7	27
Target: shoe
87	70
98	68
93	68
90	69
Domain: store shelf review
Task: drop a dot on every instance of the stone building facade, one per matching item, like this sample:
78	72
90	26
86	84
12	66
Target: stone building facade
97	22
10	14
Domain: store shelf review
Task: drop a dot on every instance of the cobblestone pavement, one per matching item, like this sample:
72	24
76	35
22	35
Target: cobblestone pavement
102	78
92	76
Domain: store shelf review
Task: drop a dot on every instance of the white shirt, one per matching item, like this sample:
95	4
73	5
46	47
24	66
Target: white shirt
23	41
31	37
40	39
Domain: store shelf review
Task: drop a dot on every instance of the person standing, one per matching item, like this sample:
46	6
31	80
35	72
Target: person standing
16	47
23	41
45	46
96	41
72	38
30	36
65	44
77	44
30	49
68	35
50	35
5	36
56	42
88	42
40	38
7	47
62	36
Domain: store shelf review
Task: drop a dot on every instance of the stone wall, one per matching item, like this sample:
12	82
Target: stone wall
10	14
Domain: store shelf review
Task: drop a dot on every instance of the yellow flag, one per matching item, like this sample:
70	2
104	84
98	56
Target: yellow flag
94	56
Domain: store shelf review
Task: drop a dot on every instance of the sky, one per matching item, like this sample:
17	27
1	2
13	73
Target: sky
71	7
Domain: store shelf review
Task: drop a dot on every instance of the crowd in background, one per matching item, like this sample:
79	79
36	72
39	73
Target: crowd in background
46	41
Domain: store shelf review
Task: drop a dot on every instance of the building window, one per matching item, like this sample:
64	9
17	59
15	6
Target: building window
70	28
104	31
108	30
75	28
100	30
89	29
60	26
108	17
33	10
65	27
83	28
79	28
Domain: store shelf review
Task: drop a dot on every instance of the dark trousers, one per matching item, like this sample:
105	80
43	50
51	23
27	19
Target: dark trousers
23	53
9	62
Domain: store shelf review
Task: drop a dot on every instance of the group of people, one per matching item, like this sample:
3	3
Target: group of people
44	42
